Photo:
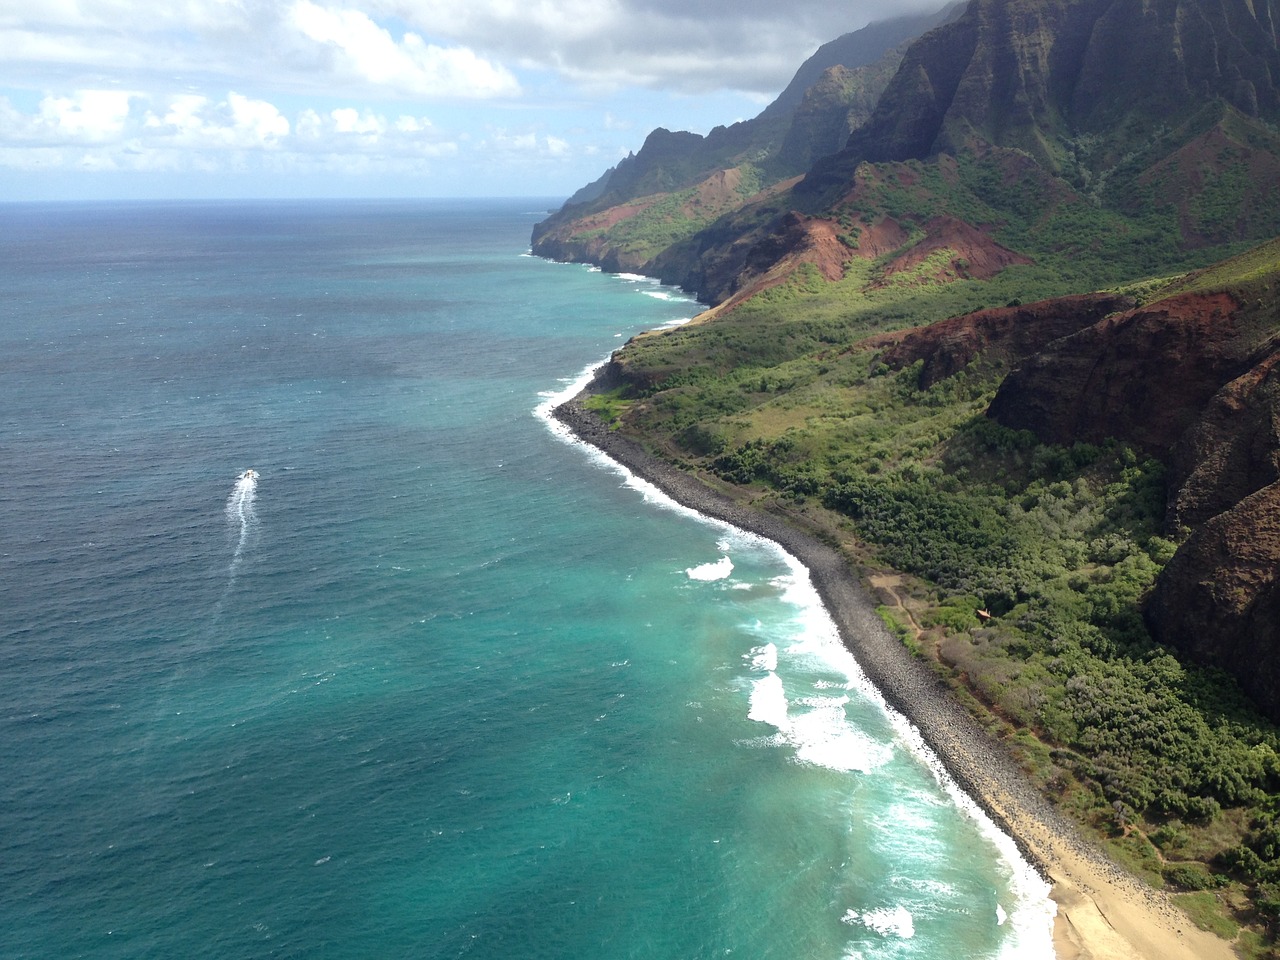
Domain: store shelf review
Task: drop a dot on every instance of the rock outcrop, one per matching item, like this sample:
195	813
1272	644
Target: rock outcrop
1218	599
1232	451
1041	75
1144	375
1004	335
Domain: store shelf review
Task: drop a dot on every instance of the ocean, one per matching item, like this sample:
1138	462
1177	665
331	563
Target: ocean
436	681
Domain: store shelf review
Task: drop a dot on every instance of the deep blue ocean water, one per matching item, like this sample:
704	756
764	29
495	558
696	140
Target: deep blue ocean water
438	683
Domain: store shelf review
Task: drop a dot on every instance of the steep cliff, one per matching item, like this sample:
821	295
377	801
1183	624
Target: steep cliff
1219	597
1144	375
1077	84
1231	451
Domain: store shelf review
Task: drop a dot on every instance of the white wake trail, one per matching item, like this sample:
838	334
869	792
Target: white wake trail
240	512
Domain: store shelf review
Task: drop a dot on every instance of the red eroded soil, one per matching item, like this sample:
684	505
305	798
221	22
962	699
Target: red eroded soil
1183	176
1142	376
1007	334
606	219
972	253
881	239
719	190
823	248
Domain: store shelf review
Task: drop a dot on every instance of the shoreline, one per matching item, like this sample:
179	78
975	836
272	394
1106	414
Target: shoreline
1103	913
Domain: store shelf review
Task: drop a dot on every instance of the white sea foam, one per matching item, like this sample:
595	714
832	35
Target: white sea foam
833	702
1030	915
886	921
551	399
764	658
824	737
819	735
768	703
241	519
651	494
708	572
636	278
934	889
1031	912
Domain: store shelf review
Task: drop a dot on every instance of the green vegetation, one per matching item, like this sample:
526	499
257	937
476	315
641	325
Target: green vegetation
608	406
1030	561
670	218
1205	911
1252	273
1026	565
666	219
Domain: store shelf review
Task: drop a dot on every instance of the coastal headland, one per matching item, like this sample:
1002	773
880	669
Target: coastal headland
1103	912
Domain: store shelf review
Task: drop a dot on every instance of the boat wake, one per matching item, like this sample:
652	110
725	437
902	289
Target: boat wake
240	513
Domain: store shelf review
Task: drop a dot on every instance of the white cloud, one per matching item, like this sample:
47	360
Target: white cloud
238	123
350	131
110	130
255	84
367	53
528	143
87	116
124	15
425	48
690	46
257	120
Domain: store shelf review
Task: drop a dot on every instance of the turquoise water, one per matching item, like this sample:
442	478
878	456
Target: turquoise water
438	683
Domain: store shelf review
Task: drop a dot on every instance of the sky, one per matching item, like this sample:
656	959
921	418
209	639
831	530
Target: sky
124	99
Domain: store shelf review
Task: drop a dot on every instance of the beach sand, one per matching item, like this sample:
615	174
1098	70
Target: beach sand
1103	912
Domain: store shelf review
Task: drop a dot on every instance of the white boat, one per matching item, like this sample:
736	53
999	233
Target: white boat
250	474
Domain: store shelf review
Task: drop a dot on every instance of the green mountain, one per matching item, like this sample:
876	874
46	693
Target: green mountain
1023	120
680	182
1017	342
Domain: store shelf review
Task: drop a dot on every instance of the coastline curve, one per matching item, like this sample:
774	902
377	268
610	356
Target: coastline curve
1102	911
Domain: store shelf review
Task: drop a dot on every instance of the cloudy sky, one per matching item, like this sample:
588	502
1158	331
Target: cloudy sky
284	98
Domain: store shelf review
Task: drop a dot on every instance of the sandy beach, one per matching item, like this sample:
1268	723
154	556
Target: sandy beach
1103	912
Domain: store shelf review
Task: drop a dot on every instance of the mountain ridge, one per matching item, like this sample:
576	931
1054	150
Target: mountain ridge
830	94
